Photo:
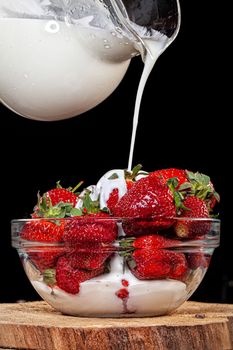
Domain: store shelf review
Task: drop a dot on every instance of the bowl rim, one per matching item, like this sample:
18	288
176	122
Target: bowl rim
211	241
115	218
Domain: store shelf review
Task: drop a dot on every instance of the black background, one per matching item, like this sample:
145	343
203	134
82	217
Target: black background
183	123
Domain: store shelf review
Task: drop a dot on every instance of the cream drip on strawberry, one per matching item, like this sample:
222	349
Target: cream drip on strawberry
113	179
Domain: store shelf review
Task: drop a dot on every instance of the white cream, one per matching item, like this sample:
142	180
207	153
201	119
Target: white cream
98	295
154	49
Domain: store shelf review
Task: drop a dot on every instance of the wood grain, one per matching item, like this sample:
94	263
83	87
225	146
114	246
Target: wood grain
39	327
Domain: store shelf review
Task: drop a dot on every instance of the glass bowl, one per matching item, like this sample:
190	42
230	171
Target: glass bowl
115	267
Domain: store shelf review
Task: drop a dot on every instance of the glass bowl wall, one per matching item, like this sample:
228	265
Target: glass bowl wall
115	267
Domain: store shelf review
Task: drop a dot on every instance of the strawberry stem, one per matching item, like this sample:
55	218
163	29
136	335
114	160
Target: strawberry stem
77	186
131	175
58	185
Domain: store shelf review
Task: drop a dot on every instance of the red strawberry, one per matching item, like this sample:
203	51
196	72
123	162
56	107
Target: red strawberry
153	268
69	278
150	202
88	260
158	264
130	178
58	195
93	228
152	242
46	259
129	184
114	196
58	202
196	260
137	226
197	209
178	265
149	197
167	174
42	230
113	199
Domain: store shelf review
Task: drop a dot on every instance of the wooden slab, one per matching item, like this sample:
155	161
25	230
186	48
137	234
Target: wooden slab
195	326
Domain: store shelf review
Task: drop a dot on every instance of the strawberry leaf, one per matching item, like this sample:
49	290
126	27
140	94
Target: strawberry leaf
191	176
136	170
44	202
185	186
173	183
214	216
132	263
199	178
217	196
178	199
200	186
90	206
177	196
76	212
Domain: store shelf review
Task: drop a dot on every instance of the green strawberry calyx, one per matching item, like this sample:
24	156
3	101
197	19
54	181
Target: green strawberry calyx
49	277
45	209
126	251
90	206
199	185
127	243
